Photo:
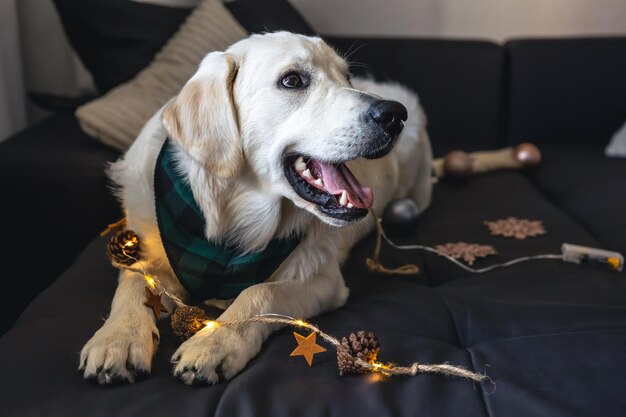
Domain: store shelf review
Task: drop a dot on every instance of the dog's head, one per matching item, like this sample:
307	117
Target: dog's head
282	106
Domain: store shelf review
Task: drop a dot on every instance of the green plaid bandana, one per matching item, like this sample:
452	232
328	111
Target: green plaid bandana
206	269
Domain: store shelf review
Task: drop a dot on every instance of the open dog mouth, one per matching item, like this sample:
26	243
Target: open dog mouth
331	186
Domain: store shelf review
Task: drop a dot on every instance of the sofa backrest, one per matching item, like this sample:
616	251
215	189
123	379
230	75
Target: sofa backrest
459	83
565	90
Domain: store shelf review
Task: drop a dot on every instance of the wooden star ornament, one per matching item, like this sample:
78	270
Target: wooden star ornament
154	302
307	347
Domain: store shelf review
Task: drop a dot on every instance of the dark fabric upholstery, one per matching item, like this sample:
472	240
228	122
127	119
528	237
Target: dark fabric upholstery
492	197
550	334
55	198
589	186
459	83
565	91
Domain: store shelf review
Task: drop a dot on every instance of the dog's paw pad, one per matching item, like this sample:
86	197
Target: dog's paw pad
194	377
201	381
219	370
111	378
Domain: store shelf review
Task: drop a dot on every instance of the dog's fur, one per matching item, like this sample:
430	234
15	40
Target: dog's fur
232	125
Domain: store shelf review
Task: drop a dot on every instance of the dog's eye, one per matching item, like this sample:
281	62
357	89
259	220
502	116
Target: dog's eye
292	80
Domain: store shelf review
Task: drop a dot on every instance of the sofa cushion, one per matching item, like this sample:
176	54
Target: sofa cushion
117	117
459	210
115	39
588	185
459	83
565	91
551	335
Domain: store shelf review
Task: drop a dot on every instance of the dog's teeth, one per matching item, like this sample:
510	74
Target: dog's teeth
307	173
350	205
344	198
319	182
300	165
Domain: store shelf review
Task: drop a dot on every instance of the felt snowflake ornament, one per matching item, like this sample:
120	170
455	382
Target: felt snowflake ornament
516	228
466	251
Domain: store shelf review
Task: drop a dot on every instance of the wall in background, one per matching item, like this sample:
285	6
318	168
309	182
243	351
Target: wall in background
486	19
50	64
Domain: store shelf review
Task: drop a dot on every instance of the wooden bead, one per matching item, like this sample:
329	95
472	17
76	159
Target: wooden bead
458	165
527	154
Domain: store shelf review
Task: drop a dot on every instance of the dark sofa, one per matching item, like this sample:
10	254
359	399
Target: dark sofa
551	335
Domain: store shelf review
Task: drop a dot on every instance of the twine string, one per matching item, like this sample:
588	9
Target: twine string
157	283
373	263
112	226
387	369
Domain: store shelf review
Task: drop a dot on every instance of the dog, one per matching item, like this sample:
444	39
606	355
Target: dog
269	138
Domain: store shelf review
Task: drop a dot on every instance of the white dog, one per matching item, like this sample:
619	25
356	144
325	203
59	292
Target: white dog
261	137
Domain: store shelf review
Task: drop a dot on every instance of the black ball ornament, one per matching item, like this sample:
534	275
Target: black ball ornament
400	217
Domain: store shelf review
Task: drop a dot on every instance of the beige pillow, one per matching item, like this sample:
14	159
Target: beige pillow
117	117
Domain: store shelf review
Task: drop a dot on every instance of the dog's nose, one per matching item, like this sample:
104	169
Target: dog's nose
389	115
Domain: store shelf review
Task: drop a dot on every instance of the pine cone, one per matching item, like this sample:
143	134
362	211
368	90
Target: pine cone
362	345
123	247
187	321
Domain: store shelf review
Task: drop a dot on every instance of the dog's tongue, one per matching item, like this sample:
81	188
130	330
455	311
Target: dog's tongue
338	178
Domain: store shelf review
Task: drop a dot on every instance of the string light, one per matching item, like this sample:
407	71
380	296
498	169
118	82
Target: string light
151	281
211	324
374	264
371	365
130	244
380	367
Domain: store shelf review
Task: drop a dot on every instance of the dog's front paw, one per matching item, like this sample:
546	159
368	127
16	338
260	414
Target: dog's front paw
214	354
119	352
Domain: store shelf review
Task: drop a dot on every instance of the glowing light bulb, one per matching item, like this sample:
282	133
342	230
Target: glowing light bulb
130	243
211	324
300	323
379	367
151	282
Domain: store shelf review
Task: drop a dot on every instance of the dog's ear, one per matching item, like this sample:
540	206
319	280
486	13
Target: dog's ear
203	119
